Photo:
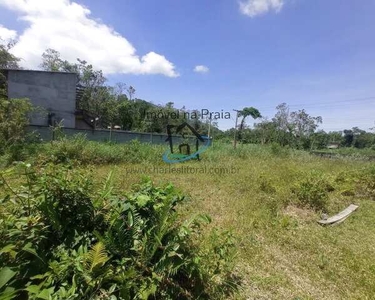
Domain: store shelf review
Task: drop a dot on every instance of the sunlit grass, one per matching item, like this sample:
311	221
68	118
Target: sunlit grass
283	252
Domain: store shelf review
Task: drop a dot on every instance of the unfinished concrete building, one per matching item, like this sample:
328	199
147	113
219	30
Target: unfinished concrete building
53	93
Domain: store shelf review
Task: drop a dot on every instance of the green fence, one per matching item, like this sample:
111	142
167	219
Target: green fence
104	135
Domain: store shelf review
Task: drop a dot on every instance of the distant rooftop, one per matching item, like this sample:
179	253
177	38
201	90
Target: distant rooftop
41	71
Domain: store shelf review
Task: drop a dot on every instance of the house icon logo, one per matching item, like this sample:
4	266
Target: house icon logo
193	144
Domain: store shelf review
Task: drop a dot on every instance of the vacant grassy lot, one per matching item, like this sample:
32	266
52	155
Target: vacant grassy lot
283	252
271	202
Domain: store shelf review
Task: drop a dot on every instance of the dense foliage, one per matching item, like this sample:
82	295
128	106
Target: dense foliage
13	122
8	60
62	239
297	129
117	106
312	190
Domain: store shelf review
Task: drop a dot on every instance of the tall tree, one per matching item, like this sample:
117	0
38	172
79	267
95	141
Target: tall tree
51	60
348	138
8	60
282	117
244	113
248	111
13	112
303	126
131	92
265	132
119	91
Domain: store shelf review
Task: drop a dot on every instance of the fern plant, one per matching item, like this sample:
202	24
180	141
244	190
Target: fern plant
64	239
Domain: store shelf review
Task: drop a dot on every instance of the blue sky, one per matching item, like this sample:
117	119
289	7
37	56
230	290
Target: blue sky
312	54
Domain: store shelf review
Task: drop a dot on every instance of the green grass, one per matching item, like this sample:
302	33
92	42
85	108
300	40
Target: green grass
283	252
93	242
350	151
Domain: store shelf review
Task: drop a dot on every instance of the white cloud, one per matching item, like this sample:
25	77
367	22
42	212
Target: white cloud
253	8
6	34
68	28
201	69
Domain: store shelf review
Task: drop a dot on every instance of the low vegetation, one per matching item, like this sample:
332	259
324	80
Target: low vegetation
63	239
312	191
61	212
68	230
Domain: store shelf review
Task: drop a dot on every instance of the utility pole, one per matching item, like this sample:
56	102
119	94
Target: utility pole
235	129
209	128
110	133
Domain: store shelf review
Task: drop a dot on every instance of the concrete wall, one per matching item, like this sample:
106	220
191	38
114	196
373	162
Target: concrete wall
104	135
54	92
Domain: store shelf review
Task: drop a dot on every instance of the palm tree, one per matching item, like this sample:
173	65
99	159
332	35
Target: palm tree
248	111
244	113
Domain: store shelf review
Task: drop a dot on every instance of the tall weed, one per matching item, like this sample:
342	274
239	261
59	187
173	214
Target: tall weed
64	239
313	190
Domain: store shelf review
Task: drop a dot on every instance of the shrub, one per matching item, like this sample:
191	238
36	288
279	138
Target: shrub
67	149
345	182
312	190
278	150
365	182
13	121
63	239
79	149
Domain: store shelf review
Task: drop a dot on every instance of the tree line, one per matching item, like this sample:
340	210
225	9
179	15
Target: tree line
298	129
117	106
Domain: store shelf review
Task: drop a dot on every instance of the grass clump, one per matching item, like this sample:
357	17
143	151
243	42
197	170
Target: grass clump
79	149
312	191
280	151
266	185
366	182
64	239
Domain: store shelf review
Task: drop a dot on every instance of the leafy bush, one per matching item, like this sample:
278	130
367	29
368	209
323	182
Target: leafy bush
62	239
278	150
13	120
365	182
312	190
357	183
345	182
67	149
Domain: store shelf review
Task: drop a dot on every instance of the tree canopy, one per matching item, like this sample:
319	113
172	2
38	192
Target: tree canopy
118	105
